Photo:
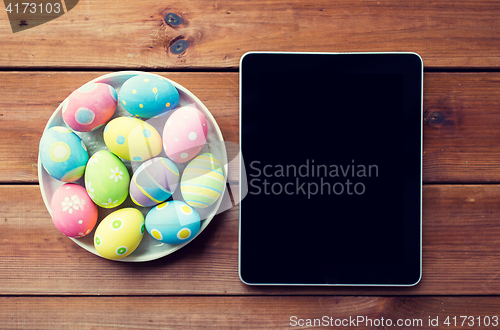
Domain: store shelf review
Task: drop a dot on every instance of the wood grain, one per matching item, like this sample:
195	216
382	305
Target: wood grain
118	34
462	127
242	312
461	120
29	99
460	253
48	282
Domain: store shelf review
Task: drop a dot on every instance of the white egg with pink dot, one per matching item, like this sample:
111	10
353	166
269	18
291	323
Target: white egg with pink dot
185	134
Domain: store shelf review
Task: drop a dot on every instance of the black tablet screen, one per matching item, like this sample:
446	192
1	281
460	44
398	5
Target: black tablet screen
332	149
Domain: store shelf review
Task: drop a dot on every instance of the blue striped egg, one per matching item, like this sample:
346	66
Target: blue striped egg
173	222
203	181
154	182
63	154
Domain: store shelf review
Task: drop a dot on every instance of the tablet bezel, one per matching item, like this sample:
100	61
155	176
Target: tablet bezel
241	72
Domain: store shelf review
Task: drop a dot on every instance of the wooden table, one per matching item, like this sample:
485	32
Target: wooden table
48	282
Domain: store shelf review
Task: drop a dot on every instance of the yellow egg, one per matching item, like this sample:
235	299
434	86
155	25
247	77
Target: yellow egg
120	233
132	139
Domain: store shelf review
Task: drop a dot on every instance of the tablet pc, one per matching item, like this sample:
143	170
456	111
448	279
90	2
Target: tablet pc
332	147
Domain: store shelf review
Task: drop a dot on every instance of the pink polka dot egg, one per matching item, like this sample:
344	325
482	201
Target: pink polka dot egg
73	212
185	134
89	107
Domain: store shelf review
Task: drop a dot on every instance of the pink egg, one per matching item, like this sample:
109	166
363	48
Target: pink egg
89	107
185	134
73	212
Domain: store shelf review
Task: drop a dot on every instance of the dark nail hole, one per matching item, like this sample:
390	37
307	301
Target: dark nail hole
173	19
436	117
179	47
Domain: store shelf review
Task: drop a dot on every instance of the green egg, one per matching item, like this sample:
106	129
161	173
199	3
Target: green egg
106	179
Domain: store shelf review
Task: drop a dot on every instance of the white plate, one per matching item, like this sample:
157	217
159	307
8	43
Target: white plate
149	248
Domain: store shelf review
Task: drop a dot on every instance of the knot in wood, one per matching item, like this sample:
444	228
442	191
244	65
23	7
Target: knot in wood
178	47
173	19
435	118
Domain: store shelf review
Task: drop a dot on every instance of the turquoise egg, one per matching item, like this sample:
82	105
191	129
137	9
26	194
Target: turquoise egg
63	154
173	222
148	96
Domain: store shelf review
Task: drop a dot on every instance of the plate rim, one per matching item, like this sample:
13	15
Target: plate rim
206	112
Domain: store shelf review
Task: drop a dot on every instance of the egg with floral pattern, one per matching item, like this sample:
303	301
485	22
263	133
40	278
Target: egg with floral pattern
132	139
184	134
106	179
120	233
63	154
148	96
173	222
89	107
73	213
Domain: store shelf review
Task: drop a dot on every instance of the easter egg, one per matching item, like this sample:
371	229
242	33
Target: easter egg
148	96
202	181
132	139
119	234
89	107
184	134
154	182
73	213
173	222
63	154
106	179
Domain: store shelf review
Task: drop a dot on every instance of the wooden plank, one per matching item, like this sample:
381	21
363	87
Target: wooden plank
462	127
29	99
460	253
247	312
461	120
133	34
